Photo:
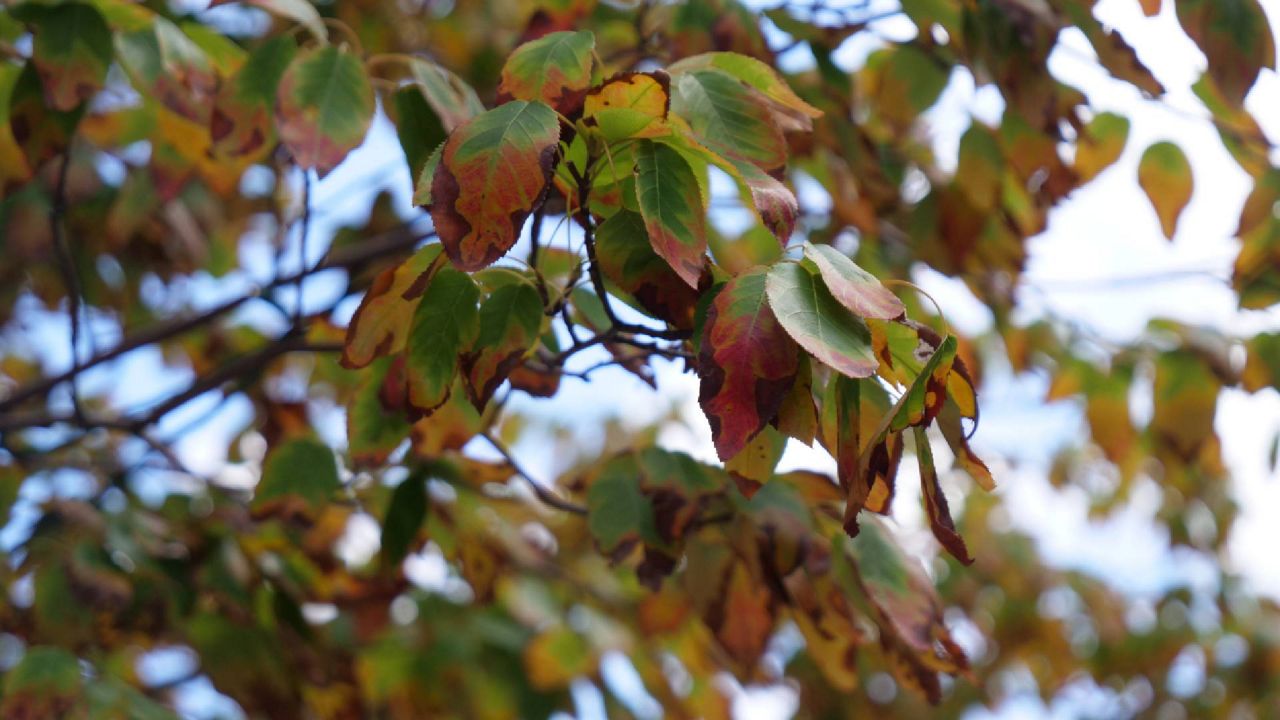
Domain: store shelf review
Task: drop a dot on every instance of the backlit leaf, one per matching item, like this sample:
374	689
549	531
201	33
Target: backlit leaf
325	102
728	117
445	324
554	69
1165	176
510	321
746	363
492	172
375	415
817	321
166	64
855	288
299	11
1236	39
381	323
1100	144
671	206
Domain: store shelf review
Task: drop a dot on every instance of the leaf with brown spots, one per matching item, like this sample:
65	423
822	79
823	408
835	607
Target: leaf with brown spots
325	104
554	69
381	323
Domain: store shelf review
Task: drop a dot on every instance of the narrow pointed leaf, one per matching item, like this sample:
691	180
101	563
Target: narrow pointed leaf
935	502
1165	176
671	205
445	324
746	363
492	172
818	322
554	69
325	103
381	323
510	321
402	520
855	288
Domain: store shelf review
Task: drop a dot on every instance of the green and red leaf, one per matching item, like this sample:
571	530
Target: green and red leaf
671	205
493	171
381	323
627	259
855	288
510	322
554	69
746	363
242	122
729	117
817	321
325	104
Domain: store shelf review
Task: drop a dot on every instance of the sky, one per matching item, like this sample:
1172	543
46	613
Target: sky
1105	231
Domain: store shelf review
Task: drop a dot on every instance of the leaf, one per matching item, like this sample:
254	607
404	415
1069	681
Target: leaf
402	520
557	656
1185	402
1165	176
72	51
773	202
935	502
671	205
452	99
746	363
729	118
817	321
751	71
754	464
950	424
46	683
14	169
426	178
449	427
924	397
325	105
381	323
301	471
420	133
1236	39
798	415
554	69
629	105
510	322
375	415
164	63
627	259
445	324
855	288
1100	144
242	121
493	171
299	11
902	82
617	512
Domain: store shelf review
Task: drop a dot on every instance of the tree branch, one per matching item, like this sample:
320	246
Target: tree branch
548	497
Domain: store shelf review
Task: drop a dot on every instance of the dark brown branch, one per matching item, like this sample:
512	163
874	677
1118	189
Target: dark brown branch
70	274
378	246
547	497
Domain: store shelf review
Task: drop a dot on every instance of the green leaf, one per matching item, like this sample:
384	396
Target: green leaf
242	122
375	415
325	105
729	118
902	82
45	684
818	322
445	324
510	322
452	99
617	512
554	69
406	509
746	363
671	205
14	169
419	130
72	51
751	71
855	288
301	470
627	259
1100	144
422	194
381	322
1165	176
493	170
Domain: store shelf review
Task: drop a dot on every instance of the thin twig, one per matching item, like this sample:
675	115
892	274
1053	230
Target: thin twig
70	274
302	245
548	497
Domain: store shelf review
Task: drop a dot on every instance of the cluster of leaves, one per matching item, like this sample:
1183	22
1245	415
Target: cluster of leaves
129	135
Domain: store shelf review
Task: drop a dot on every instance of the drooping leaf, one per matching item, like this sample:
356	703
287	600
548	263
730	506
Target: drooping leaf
629	105
798	414
554	69
746	363
728	117
670	203
452	99
71	51
1165	176
299	471
1185	403
817	321
510	322
381	323
445	324
935	502
773	202
627	259
325	104
951	425
241	122
855	288
492	172
1236	39
1100	144
449	427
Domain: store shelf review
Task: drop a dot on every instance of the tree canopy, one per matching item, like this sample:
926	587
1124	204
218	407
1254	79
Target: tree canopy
162	167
